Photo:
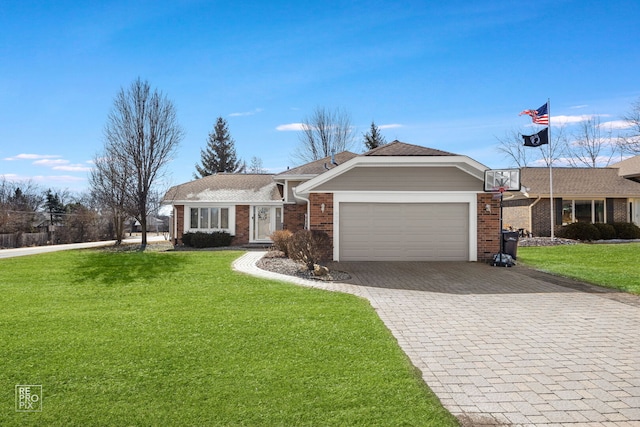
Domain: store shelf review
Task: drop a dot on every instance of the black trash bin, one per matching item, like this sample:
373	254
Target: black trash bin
510	243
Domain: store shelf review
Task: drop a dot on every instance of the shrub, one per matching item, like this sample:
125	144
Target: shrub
281	239
607	231
580	231
310	247
626	230
186	239
200	239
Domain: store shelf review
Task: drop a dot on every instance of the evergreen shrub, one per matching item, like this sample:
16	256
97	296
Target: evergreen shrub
580	231
201	239
626	230
607	231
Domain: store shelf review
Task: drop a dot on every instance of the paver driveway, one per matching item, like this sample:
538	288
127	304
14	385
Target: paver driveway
500	347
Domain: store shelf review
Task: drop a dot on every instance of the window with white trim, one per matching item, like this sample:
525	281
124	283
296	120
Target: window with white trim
591	211
210	218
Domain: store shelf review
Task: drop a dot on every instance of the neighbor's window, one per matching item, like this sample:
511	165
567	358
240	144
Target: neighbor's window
591	211
598	211
210	218
567	212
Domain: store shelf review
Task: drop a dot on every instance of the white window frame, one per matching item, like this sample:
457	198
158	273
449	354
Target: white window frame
231	226
593	209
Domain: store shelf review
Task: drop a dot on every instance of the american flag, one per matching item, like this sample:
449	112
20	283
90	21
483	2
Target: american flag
539	116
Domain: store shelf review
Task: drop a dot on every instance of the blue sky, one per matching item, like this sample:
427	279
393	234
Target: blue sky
451	75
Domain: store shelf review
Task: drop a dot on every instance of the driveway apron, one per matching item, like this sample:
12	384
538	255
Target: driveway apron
502	346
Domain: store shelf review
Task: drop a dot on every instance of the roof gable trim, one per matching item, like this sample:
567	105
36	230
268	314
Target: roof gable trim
463	163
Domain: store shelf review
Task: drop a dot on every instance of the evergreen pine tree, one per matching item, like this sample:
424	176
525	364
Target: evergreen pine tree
219	154
373	138
54	206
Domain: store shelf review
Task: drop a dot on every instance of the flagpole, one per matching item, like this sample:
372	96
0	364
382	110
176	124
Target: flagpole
550	171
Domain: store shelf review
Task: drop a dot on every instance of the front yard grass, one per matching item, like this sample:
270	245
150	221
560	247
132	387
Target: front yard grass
614	266
178	338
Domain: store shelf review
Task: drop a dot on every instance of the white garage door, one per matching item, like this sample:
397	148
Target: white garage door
404	232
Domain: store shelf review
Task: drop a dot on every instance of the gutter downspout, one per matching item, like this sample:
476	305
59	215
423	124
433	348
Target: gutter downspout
307	221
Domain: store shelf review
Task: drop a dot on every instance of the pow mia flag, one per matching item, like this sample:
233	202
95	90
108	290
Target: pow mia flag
537	139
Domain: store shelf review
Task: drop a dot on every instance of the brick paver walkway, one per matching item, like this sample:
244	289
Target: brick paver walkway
500	347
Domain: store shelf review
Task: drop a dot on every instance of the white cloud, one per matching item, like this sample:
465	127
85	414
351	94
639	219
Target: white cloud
51	162
291	127
616	124
577	107
12	177
60	178
569	120
72	168
246	113
32	157
43	179
391	126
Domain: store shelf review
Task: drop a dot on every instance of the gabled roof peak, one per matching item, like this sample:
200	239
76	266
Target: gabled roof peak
398	148
319	166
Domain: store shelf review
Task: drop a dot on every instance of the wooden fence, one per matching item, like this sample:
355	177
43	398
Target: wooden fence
20	240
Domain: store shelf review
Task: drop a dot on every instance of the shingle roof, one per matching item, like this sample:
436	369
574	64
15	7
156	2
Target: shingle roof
224	187
397	148
576	182
628	168
317	167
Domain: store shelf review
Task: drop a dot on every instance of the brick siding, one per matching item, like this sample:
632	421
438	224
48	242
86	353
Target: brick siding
242	225
620	210
488	227
293	217
515	214
319	220
179	231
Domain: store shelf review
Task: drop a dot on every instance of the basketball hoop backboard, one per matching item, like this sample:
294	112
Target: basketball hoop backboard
501	180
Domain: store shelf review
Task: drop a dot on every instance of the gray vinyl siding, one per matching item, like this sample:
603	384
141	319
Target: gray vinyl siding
403	179
290	186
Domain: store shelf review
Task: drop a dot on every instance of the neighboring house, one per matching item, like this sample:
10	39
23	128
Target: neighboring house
154	224
397	202
629	168
595	195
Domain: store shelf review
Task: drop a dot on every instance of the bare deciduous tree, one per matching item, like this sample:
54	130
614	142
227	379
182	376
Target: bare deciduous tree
630	143
323	133
256	166
111	185
591	146
19	202
513	148
141	136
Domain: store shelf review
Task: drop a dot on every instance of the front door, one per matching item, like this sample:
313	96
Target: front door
266	220
634	205
261	222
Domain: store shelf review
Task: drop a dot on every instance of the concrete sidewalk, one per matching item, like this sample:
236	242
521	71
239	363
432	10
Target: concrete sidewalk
499	347
33	250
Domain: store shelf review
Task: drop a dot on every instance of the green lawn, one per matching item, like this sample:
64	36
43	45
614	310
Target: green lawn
177	338
611	265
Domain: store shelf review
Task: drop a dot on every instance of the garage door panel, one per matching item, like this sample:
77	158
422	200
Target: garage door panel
404	231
